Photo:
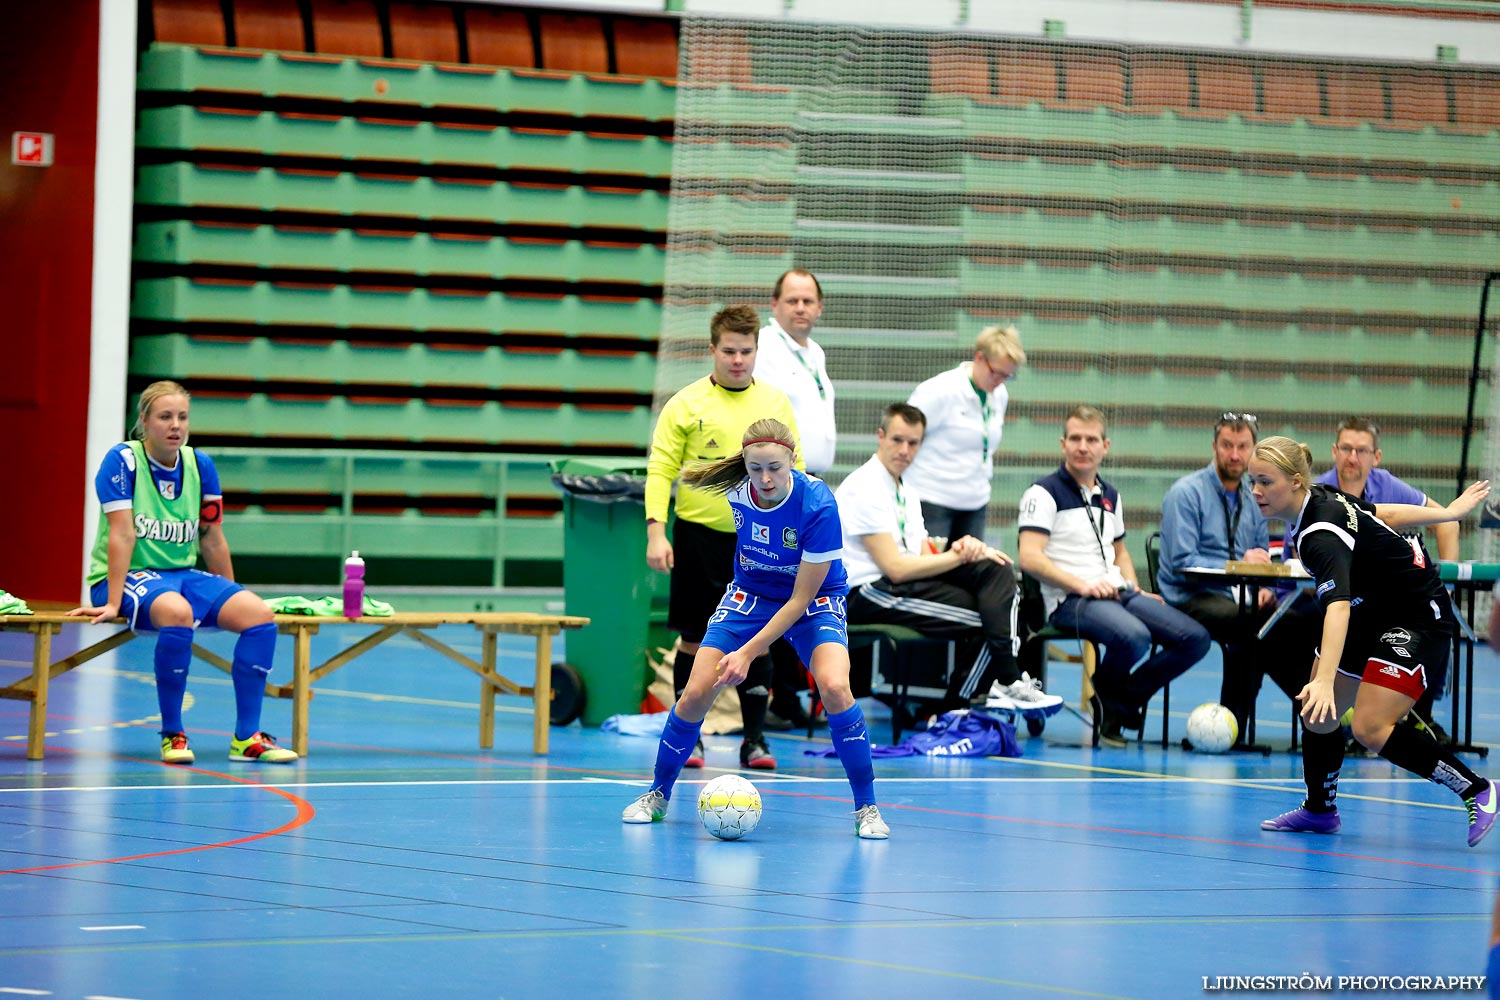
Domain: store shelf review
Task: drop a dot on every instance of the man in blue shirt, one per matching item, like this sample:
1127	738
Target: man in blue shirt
1208	518
1356	470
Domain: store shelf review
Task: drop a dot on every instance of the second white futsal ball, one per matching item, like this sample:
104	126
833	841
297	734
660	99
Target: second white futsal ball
1212	728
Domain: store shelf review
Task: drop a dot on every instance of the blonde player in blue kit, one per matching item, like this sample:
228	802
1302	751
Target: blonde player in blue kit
161	507
788	580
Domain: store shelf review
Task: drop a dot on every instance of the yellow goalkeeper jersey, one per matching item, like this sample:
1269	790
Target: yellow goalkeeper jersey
704	422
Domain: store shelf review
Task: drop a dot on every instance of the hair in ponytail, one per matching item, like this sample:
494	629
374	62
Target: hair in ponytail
1292	457
728	472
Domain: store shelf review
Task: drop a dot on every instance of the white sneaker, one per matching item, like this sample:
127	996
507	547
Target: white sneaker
869	825
998	699
649	808
1025	695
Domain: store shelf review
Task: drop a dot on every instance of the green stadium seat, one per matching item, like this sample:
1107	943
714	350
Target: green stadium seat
1288	240
1263	188
188	184
770	161
399	252
397	140
430	85
1196	285
752	211
340	306
562	426
274	358
768	106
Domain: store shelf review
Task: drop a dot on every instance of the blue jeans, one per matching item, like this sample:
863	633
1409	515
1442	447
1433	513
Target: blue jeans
951	523
1128	628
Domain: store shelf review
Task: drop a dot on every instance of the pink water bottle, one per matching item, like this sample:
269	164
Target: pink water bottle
354	586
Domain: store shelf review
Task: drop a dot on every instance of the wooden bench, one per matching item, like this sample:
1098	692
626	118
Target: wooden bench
491	624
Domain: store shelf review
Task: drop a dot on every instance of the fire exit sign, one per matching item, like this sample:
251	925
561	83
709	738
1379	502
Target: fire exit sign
31	149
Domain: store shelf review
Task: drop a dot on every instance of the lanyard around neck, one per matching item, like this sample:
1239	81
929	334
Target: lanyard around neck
1098	529
1233	524
985	409
792	346
901	515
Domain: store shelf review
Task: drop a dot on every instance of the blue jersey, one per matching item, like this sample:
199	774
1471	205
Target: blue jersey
771	544
114	484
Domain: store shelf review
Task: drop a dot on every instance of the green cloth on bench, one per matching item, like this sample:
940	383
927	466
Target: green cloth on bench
327	607
10	604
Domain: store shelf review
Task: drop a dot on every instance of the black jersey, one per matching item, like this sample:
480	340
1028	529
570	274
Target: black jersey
1356	557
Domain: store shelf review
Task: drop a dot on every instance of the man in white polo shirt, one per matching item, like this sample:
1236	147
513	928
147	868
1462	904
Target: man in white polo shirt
792	361
1073	541
897	578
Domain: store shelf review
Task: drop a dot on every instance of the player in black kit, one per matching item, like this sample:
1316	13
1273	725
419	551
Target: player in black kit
1387	629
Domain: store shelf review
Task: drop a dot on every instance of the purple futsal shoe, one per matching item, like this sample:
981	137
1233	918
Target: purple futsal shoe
1300	820
1481	813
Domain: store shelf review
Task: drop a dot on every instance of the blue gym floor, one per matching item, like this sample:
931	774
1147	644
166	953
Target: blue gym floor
398	860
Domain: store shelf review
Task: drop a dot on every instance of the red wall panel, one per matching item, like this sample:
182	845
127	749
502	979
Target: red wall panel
51	57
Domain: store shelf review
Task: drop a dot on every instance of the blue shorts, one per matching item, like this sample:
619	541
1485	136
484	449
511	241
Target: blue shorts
741	614
205	594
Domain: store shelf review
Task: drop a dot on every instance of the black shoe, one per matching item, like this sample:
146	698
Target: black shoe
1438	733
791	712
776	723
1110	735
1111	721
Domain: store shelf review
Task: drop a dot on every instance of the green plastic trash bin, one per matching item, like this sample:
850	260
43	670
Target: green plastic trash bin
606	579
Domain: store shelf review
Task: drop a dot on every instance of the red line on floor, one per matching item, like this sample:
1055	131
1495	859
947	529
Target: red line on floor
305	813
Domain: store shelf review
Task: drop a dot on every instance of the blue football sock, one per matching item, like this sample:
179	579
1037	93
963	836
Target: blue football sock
174	652
852	744
252	663
677	741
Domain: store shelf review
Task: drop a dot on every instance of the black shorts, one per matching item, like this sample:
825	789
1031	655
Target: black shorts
702	567
1402	657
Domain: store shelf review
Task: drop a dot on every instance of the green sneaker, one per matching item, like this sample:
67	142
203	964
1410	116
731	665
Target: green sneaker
174	749
260	747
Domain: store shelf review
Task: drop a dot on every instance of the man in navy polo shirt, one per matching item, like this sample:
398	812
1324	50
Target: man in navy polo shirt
1073	540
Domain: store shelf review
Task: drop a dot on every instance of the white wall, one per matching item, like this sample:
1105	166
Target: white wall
114	193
